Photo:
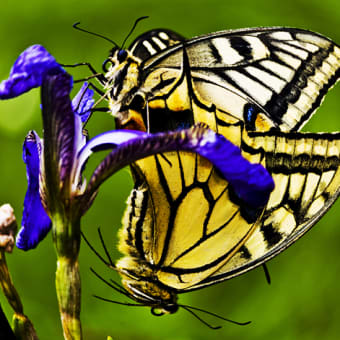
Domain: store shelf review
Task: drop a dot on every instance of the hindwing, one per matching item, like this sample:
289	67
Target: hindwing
305	169
185	221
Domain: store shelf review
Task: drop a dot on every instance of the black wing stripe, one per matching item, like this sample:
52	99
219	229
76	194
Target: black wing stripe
139	225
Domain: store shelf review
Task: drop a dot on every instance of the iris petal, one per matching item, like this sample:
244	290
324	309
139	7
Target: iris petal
62	130
251	182
35	222
105	141
28	71
83	102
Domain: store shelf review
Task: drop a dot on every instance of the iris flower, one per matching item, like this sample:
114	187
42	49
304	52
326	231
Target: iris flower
58	194
59	159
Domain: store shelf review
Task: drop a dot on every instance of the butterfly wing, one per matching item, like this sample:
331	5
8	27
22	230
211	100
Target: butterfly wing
305	168
182	218
282	73
185	221
152	42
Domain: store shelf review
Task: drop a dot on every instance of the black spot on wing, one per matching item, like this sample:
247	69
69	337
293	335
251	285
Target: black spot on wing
244	252
242	46
271	235
250	113
161	120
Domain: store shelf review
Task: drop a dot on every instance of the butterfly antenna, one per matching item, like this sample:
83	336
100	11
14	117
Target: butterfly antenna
76	26
132	29
118	302
114	285
200	319
190	308
108	263
104	247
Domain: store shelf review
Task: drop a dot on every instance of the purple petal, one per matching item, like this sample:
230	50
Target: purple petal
251	182
83	102
28	71
35	222
62	133
105	141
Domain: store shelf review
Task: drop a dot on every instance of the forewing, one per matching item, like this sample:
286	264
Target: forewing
282	73
152	42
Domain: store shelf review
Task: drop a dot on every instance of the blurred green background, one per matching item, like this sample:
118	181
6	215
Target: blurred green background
303	300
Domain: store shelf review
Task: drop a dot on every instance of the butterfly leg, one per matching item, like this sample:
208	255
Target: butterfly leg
99	76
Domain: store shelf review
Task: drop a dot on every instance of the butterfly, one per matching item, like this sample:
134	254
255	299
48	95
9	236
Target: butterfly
184	228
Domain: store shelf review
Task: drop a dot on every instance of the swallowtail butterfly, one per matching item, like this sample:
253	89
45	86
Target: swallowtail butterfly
184	228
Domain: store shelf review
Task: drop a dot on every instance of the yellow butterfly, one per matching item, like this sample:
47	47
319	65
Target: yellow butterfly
184	227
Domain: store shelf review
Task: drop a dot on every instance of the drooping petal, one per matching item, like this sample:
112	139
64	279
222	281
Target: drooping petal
83	102
62	133
28	71
106	141
251	182
35	221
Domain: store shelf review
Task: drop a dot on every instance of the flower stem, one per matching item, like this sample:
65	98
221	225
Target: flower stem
66	238
8	286
22	326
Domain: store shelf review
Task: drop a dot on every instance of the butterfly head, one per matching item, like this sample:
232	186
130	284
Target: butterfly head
122	74
139	281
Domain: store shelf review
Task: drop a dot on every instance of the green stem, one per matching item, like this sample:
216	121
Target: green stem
22	326
66	237
8	286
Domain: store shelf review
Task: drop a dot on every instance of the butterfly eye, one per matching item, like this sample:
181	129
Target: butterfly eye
107	64
122	55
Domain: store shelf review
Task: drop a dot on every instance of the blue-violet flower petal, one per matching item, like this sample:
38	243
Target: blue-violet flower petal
251	182
28	71
83	102
35	221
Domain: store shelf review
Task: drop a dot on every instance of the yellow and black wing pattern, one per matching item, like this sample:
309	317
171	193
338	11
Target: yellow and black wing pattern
278	74
184	219
305	169
257	87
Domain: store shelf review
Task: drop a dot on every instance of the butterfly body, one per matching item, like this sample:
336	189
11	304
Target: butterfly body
184	227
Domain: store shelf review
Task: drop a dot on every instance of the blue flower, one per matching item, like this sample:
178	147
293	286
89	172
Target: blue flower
28	71
55	164
34	211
